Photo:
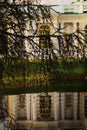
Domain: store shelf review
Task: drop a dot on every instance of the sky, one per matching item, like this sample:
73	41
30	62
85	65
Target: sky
56	2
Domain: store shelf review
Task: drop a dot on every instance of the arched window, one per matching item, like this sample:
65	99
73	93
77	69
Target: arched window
69	108
45	40
45	112
44	32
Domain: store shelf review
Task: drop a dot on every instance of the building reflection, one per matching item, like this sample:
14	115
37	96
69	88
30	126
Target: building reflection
50	110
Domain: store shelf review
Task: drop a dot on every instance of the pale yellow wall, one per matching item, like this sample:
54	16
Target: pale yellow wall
10	104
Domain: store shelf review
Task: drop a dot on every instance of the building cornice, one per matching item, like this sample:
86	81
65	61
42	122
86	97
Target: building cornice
64	14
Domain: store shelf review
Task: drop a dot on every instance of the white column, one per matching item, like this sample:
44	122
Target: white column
68	29
26	32
28	106
62	105
74	29
62	26
74	26
83	105
34	106
81	7
75	105
14	106
56	105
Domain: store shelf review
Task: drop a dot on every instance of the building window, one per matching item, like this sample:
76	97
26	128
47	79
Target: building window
17	43
22	100
45	43
3	40
68	27
44	32
69	107
21	107
85	106
45	107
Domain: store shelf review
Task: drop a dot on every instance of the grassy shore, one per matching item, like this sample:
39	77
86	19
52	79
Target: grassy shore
38	76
